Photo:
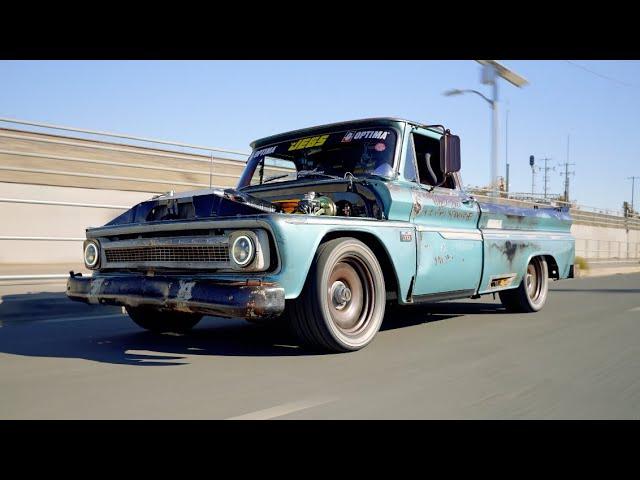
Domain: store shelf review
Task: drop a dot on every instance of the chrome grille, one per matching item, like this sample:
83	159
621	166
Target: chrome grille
168	253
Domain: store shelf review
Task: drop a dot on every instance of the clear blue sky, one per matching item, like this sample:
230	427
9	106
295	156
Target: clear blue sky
230	103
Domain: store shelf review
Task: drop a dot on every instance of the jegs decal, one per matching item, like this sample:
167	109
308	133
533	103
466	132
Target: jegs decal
308	142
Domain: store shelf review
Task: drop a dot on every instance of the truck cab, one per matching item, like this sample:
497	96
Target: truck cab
327	225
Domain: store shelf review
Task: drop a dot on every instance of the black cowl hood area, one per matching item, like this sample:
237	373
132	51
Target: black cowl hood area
211	203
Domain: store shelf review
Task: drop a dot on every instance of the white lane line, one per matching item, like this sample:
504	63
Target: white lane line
284	409
636	309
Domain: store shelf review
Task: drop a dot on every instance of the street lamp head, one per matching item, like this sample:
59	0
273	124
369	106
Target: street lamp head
454	91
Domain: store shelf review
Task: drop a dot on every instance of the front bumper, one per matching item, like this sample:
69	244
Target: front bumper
248	299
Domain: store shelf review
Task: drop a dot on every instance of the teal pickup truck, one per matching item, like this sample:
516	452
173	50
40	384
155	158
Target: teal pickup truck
327	226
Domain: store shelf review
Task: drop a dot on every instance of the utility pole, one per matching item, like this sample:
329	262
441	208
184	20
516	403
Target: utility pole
567	173
633	184
546	169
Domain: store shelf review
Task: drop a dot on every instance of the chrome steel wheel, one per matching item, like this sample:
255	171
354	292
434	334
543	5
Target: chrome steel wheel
536	281
342	306
351	295
531	294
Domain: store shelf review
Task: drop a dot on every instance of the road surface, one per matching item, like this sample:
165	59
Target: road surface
577	359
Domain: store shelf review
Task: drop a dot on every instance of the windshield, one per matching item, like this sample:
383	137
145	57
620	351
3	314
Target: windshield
359	153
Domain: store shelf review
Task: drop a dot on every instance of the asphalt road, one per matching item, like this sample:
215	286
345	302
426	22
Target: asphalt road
577	359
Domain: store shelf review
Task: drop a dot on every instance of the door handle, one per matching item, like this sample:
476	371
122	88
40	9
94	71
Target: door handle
468	200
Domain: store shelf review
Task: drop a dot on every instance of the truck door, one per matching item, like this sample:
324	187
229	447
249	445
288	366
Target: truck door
449	244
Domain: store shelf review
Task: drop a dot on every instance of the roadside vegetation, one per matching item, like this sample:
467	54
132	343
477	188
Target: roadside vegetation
582	263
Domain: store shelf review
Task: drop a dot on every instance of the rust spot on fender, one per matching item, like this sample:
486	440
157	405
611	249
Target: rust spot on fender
509	249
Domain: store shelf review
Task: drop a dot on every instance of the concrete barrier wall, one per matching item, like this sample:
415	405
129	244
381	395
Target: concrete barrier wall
606	243
69	222
44	159
66	223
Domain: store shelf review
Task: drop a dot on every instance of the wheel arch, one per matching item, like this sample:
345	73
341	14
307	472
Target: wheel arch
552	264
379	249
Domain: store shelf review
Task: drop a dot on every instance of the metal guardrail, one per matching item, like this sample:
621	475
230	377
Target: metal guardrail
111	163
63	204
198	153
120	135
120	148
106	177
142	150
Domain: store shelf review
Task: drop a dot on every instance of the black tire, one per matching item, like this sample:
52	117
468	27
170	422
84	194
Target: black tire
531	295
159	321
342	304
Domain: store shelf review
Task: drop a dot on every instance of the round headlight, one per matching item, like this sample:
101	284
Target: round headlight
91	255
242	250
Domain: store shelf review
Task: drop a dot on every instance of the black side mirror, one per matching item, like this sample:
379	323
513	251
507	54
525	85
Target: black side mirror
449	154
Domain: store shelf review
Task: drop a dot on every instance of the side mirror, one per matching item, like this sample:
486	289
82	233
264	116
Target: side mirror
449	154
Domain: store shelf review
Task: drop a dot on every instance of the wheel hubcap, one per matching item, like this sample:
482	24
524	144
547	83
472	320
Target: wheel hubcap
531	280
341	295
350	294
534	281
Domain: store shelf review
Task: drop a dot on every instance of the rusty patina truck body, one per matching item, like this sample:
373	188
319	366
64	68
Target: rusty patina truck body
326	226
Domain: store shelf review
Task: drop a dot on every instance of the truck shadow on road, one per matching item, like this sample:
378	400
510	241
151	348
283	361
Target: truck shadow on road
117	340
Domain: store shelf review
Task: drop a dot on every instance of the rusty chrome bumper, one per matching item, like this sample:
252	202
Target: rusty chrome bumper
249	299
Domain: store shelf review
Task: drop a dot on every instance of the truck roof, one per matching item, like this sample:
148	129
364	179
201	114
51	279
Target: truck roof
330	126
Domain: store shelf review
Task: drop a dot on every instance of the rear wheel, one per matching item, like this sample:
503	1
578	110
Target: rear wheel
531	294
342	305
160	321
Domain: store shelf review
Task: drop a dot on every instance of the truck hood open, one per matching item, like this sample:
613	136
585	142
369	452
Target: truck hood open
196	204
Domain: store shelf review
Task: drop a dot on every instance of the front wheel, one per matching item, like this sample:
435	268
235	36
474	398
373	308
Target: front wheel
342	305
161	321
531	294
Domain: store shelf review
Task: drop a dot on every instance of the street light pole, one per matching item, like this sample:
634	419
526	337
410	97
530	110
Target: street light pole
506	153
491	70
494	141
633	184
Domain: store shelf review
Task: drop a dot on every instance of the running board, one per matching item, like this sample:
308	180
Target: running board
439	297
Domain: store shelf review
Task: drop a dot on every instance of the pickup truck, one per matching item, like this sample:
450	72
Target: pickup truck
327	227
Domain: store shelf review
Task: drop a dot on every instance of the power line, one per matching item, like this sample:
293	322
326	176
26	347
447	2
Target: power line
593	72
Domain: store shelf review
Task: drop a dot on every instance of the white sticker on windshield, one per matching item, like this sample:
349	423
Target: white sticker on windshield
366	134
263	151
378	135
347	138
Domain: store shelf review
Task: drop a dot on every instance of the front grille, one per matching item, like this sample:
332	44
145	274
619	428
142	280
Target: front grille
164	253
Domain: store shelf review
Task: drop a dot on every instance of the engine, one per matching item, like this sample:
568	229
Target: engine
341	204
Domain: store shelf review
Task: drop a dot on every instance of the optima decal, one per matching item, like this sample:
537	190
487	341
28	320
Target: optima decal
366	134
347	138
308	142
263	151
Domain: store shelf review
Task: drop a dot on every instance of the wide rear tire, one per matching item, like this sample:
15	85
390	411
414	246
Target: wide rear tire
161	322
342	305
531	294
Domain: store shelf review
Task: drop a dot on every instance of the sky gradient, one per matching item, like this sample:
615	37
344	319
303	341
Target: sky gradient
228	104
